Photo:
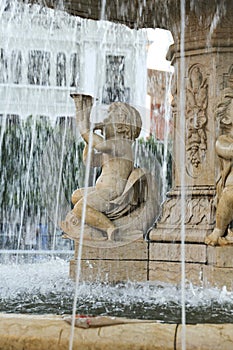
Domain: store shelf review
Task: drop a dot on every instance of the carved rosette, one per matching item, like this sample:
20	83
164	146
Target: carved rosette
196	120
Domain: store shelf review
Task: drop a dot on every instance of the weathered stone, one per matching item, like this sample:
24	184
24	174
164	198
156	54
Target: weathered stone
137	250
220	256
172	252
123	263
24	332
169	233
208	90
170	272
33	332
205	71
111	270
206	337
151	14
218	276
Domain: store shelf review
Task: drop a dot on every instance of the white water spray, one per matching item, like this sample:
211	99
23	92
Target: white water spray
167	116
78	266
182	169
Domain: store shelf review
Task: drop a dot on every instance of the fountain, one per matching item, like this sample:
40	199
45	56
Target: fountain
207	61
183	241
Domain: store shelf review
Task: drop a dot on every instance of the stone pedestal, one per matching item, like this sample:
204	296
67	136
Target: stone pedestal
219	269
205	266
202	71
124	263
158	261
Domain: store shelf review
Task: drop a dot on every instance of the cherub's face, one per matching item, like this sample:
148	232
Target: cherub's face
227	120
115	126
116	130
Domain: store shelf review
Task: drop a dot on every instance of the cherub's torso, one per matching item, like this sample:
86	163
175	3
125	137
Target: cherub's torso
117	165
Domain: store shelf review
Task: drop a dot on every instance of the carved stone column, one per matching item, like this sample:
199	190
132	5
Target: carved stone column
208	54
208	57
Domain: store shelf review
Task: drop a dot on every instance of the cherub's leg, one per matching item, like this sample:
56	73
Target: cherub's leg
94	217
79	194
224	215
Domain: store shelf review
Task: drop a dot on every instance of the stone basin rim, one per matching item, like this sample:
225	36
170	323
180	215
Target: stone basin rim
19	331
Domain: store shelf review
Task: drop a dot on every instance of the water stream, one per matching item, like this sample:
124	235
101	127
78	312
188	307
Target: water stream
182	170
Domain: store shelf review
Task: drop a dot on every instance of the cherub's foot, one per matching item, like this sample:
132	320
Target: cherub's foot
213	238
112	233
228	240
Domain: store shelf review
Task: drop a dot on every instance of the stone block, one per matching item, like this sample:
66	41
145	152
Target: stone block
172	252
137	250
173	234
111	270
218	276
206	337
220	256
43	332
170	272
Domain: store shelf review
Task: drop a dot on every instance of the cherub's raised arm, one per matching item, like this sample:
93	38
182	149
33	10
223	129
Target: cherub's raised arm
83	105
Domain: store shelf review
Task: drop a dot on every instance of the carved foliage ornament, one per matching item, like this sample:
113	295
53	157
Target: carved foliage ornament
196	119
197	211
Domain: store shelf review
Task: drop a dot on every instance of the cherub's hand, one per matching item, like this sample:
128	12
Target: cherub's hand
87	102
83	104
78	100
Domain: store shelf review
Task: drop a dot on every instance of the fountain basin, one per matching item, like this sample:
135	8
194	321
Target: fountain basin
43	287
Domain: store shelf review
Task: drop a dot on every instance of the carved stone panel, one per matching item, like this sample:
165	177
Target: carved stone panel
203	79
196	120
197	211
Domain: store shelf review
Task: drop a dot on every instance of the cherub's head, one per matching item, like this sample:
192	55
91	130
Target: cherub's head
126	120
224	111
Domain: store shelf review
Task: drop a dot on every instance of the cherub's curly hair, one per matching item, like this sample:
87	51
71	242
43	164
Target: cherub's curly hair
226	98
129	116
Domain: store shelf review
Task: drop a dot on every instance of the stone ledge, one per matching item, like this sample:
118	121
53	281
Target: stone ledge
33	332
133	250
24	332
172	234
172	252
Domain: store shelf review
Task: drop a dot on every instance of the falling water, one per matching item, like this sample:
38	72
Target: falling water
27	185
32	88
80	247
167	117
59	184
103	5
182	170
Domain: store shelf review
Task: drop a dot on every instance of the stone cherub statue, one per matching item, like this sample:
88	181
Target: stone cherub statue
120	204
222	235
